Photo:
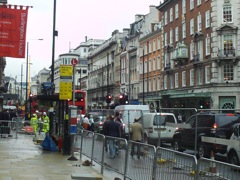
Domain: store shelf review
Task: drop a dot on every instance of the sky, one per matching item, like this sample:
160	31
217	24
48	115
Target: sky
75	19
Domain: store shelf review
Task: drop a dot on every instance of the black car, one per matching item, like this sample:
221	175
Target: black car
208	124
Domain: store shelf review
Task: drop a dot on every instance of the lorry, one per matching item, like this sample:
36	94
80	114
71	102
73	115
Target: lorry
127	114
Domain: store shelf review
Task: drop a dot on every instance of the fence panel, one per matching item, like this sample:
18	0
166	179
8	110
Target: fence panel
87	143
212	169
117	164
175	165
6	129
19	125
98	147
140	167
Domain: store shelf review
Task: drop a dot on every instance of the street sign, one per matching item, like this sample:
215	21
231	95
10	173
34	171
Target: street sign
74	61
65	84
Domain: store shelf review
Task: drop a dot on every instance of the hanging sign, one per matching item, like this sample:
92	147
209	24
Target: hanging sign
13	24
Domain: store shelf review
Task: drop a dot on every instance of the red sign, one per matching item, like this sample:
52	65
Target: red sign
74	61
13	23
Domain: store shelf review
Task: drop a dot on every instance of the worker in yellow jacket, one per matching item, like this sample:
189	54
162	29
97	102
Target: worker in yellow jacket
46	122
34	122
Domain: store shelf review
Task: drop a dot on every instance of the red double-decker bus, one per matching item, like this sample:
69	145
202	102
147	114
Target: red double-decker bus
80	101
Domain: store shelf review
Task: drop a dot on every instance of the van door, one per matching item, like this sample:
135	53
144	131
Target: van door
159	123
170	130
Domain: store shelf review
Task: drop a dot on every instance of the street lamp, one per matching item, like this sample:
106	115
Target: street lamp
143	76
27	85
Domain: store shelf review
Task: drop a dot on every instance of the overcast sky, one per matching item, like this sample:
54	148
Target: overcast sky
75	19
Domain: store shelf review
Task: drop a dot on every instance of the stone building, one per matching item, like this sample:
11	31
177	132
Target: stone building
201	59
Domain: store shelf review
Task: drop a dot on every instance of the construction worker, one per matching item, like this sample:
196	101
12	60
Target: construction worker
45	117
46	122
45	127
34	122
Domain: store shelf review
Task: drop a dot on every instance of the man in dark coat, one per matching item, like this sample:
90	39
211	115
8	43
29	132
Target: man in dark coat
111	128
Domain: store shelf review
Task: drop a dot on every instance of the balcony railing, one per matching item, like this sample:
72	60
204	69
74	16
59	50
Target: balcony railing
226	52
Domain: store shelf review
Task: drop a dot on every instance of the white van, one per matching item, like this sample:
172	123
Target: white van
128	113
158	126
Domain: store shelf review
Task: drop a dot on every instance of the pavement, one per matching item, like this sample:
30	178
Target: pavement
22	159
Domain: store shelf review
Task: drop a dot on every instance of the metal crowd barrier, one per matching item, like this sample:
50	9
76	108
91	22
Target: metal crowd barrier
87	144
209	168
175	165
141	166
6	129
119	163
19	125
153	163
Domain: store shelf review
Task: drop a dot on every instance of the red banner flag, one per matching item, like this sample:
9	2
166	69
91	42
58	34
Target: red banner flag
13	23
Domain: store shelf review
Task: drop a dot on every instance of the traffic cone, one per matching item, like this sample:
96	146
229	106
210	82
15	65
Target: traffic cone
212	167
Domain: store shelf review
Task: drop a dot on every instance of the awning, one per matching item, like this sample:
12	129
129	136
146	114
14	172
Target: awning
190	95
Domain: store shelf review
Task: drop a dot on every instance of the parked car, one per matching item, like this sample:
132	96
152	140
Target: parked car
233	149
208	124
155	126
98	121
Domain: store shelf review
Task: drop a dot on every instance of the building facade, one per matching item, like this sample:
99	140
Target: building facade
101	72
200	54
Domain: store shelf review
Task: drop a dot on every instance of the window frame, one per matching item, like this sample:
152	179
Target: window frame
199	19
224	20
191	77
207	19
207	74
176	80
176	11
184	32
207	45
191	5
192	26
184	79
171	15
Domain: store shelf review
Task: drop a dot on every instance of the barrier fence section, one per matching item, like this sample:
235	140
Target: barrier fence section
175	165
141	165
87	144
6	129
118	163
19	124
98	149
209	168
152	163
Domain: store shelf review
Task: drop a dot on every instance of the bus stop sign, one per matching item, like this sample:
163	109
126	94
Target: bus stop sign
74	61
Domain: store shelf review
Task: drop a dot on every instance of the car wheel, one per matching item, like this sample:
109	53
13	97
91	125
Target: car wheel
177	145
233	158
203	151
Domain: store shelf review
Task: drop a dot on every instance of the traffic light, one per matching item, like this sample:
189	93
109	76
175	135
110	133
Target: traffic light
108	98
30	97
126	99
207	104
121	99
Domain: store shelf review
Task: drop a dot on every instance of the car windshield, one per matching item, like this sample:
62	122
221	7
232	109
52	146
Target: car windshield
160	120
226	120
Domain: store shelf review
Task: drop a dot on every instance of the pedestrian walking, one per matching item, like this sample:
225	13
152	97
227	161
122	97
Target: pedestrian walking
136	131
85	122
105	133
112	128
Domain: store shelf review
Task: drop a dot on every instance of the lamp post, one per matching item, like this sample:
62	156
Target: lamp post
143	76
27	89
21	81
